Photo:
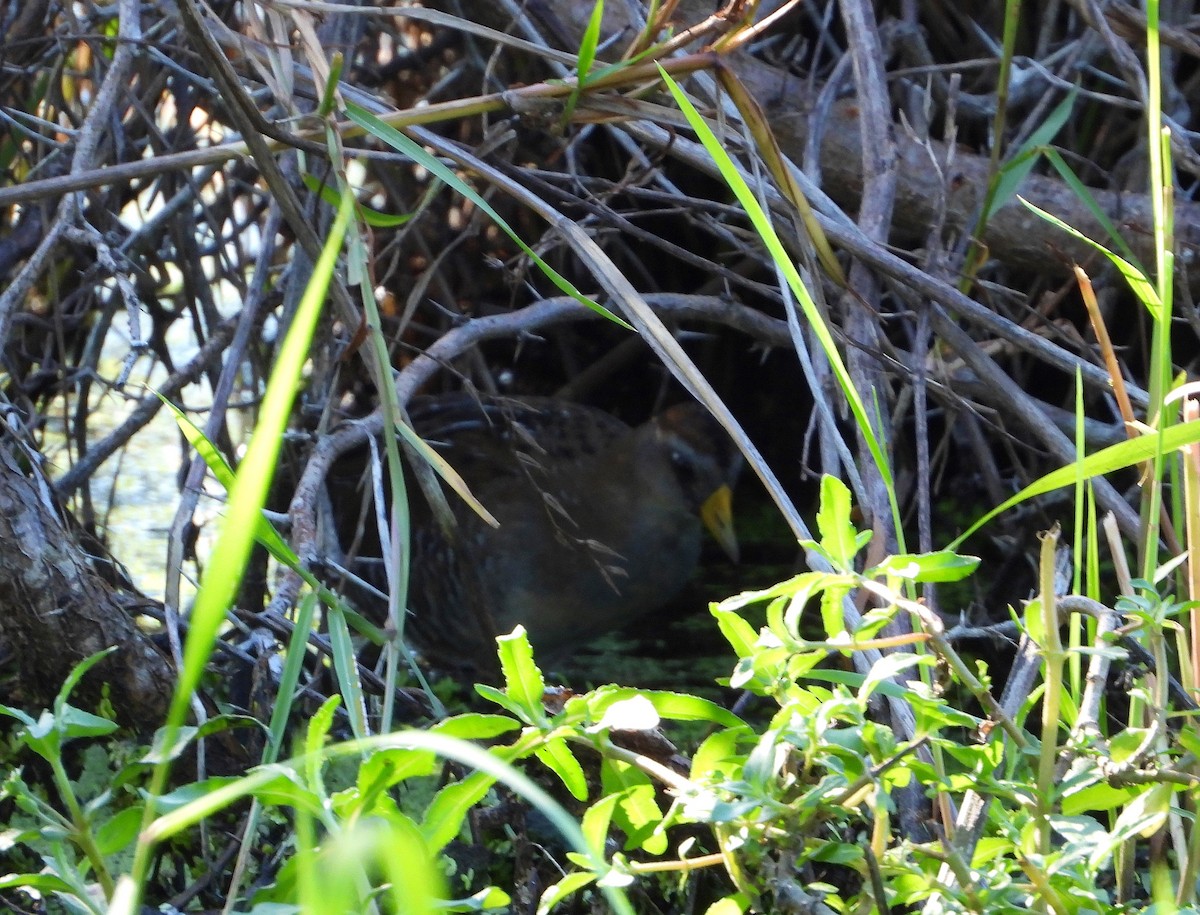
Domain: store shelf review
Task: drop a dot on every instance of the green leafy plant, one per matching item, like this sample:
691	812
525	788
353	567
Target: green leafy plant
76	846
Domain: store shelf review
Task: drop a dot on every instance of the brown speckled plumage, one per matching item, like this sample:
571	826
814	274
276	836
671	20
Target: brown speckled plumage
599	522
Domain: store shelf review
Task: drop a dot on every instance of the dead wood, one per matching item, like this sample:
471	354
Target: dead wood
935	183
60	609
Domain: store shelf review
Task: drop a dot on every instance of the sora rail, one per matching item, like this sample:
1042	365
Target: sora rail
599	522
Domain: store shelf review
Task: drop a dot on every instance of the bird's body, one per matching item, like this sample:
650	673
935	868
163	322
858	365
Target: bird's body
599	523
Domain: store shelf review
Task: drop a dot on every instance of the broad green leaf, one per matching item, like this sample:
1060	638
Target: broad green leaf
556	756
675	706
630	713
939	566
1096	798
595	823
491	897
765	760
1142	817
571	883
833	610
44	736
46	882
185	735
888	668
523	680
838	534
639	817
730	905
160	751
475	726
417	885
739	633
616	776
74	722
18	714
720	755
448	810
119	831
391	766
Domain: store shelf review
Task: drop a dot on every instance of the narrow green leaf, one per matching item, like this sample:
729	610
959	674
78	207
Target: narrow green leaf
77	673
248	494
587	56
345	665
1025	157
761	221
740	634
501	699
319	726
293	664
329	91
1084	194
372	217
399	141
223	474
1137	280
1115	457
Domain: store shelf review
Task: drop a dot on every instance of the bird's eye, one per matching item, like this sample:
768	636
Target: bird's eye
685	468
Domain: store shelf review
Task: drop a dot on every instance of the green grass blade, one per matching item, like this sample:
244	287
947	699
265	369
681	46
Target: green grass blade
587	57
766	231
1115	457
1082	192
249	490
1017	169
232	550
413	150
1138	281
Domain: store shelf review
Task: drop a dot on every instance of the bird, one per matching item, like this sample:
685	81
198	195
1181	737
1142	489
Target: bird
598	522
